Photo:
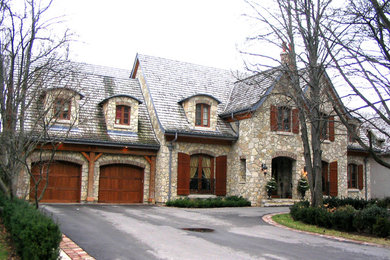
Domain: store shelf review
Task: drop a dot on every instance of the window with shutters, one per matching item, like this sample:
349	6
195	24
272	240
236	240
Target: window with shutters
122	116
202	115
284	119
352	176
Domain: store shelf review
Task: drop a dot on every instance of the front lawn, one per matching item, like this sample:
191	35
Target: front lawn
286	220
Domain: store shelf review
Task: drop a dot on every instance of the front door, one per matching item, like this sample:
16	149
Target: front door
282	172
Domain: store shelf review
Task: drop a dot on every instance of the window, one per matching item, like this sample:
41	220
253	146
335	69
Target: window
324	126
62	108
284	119
201	174
122	115
352	176
202	115
243	170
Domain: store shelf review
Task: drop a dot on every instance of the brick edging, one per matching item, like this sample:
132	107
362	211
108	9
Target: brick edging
73	250
268	219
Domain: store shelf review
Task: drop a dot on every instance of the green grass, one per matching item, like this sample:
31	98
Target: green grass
286	220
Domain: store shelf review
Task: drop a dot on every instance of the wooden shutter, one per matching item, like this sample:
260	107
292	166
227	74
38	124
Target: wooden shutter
360	177
273	119
295	121
333	189
220	176
331	128
183	174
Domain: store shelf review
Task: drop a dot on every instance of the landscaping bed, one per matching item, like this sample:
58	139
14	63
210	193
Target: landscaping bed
231	201
350	215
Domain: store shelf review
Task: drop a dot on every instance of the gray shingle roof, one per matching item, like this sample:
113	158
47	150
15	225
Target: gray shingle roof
171	81
248	94
97	83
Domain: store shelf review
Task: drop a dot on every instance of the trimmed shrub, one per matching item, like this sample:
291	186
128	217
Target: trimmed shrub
366	218
334	202
297	211
342	218
34	235
382	227
231	201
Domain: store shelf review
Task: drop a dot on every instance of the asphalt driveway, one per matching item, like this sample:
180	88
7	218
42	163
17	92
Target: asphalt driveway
152	232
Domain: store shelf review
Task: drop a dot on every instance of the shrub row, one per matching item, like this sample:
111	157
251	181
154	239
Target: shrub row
34	235
334	202
371	219
232	201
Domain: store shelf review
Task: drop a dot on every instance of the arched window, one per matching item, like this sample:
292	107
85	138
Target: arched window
122	116
201	174
352	176
202	115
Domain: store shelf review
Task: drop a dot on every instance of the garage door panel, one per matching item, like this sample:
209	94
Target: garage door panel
64	182
121	183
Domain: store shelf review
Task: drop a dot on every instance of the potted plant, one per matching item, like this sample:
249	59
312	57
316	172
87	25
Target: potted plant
270	187
303	186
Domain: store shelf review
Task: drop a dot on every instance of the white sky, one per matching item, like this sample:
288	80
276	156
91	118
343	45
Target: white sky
110	33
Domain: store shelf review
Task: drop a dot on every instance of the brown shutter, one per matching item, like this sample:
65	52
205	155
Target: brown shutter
333	190
331	128
273	119
220	175
360	176
183	174
295	121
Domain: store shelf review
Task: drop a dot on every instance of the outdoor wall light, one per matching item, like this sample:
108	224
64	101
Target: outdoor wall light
264	168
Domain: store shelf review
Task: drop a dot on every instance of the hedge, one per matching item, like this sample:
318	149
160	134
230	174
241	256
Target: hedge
231	201
370	219
34	235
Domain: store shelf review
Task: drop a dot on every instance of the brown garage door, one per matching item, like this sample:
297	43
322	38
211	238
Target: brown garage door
121	183
64	181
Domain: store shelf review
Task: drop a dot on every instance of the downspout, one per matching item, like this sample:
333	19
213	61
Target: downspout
170	147
365	177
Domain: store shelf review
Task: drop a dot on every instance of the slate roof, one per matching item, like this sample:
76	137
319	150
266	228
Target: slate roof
378	127
96	84
171	81
250	93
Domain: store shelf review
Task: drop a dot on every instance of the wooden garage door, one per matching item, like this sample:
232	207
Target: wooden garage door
64	181
121	183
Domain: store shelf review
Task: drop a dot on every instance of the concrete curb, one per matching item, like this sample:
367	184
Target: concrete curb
70	250
268	219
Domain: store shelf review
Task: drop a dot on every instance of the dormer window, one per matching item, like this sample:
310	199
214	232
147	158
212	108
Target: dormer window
62	108
202	115
122	115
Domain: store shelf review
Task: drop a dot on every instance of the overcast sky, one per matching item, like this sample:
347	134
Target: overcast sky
112	32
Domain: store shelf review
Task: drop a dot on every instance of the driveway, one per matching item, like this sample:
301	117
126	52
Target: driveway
152	232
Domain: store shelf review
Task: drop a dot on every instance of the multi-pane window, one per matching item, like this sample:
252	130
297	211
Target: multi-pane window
284	119
202	115
122	116
324	126
243	170
352	176
62	108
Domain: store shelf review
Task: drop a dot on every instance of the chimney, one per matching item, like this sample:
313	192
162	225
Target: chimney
285	55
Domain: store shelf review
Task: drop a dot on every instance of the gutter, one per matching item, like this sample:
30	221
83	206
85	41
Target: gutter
227	138
170	147
136	146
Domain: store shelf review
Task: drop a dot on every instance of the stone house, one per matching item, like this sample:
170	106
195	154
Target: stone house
171	129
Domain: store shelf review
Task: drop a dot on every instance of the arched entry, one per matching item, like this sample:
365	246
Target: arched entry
63	184
282	168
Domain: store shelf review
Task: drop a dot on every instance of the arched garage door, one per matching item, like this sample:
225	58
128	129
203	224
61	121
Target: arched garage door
121	183
64	181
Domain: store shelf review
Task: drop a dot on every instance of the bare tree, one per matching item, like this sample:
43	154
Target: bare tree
358	42
294	26
33	59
